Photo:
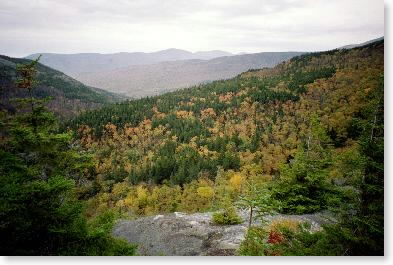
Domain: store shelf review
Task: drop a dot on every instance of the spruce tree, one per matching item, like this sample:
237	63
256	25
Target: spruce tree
40	213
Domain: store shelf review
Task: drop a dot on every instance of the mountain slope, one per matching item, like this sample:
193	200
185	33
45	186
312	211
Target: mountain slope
263	114
350	46
306	135
207	55
73	64
69	95
144	80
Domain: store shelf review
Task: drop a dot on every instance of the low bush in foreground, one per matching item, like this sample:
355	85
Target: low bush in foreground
227	217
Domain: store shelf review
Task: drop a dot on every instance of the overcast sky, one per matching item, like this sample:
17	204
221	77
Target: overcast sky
108	26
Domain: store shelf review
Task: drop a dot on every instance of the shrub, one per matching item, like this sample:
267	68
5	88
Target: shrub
284	239
284	223
275	239
227	217
255	242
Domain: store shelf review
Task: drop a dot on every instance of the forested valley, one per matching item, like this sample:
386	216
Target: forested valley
304	137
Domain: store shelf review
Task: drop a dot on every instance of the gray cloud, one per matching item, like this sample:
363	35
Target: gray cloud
71	26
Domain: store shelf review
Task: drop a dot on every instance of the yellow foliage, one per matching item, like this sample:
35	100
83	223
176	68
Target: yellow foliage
237	181
194	201
183	114
165	198
120	190
104	197
205	192
209	112
120	203
141	193
128	201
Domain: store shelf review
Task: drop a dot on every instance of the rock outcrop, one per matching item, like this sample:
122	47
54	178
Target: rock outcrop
180	234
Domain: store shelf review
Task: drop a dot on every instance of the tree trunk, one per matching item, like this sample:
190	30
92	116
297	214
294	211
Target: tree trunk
250	219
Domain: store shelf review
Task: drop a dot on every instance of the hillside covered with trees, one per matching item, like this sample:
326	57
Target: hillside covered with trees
303	137
308	131
68	96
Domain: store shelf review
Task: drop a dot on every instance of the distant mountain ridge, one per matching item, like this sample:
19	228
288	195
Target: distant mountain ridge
146	80
350	46
141	74
74	64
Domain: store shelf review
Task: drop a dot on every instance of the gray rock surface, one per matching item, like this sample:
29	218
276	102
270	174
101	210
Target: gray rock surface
180	234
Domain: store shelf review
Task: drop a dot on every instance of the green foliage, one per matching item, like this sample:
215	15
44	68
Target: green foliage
333	240
254	243
178	167
68	95
299	242
360	230
303	186
265	96
258	200
128	112
300	79
100	240
182	166
134	111
184	129
226	217
40	213
171	146
229	160
367	224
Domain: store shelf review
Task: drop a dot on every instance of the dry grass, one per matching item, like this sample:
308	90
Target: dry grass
284	223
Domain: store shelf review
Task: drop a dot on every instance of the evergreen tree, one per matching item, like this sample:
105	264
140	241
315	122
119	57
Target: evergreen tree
39	210
366	224
258	201
303	186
